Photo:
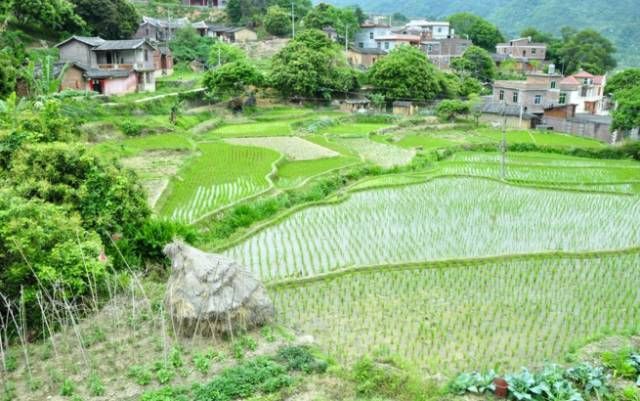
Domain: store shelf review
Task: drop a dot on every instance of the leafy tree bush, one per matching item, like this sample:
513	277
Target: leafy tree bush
8	74
109	19
231	79
448	110
325	15
405	73
477	63
223	53
43	245
277	21
587	50
480	31
311	66
58	15
188	46
626	116
623	80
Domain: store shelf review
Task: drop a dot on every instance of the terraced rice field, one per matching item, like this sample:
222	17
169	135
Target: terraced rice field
294	148
441	219
379	153
220	175
291	174
476	316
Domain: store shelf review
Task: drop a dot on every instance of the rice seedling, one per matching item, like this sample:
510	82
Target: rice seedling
446	218
379	153
475	316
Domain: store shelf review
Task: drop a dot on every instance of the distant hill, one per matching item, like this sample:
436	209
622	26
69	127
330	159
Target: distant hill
616	19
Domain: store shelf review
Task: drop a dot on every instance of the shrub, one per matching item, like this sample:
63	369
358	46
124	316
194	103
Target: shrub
166	394
131	128
448	110
300	358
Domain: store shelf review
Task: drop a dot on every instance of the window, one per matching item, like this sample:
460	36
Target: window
386	45
524	53
533	51
553	84
563	98
501	95
379	45
146	55
360	45
584	91
146	31
537	99
515	97
429	48
370	35
439	30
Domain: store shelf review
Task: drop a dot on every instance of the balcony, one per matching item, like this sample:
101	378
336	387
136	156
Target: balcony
115	66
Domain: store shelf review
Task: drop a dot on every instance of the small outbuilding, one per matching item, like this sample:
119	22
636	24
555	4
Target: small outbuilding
404	108
354	105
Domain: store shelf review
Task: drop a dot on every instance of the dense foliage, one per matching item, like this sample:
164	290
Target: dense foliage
449	109
57	15
405	73
587	50
325	15
623	80
109	19
481	32
311	66
231	79
188	46
277	21
476	63
626	116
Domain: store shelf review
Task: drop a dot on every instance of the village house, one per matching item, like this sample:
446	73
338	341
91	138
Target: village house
364	58
110	67
522	49
232	34
512	116
586	91
365	38
163	30
563	118
205	3
390	42
431	29
442	51
538	90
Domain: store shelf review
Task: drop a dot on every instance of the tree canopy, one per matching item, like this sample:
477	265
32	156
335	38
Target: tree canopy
109	19
587	50
232	79
626	79
477	63
58	15
626	116
311	66
405	73
480	31
277	21
188	46
324	15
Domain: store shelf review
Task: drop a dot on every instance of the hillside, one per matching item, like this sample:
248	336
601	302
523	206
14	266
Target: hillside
616	19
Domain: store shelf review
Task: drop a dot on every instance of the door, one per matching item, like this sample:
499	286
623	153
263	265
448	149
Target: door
96	86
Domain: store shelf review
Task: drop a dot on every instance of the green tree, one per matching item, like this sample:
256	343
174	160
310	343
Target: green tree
626	116
51	14
323	15
476	62
405	73
277	21
626	79
399	18
188	46
231	79
8	74
223	53
311	66
449	109
587	50
360	15
480	31
234	11
300	7
109	19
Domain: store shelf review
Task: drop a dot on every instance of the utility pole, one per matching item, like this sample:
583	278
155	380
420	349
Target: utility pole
503	144
293	22
346	38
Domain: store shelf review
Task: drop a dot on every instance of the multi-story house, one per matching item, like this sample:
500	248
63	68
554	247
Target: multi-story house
110	67
365	38
390	42
586	92
163	30
523	50
442	51
533	95
205	3
431	29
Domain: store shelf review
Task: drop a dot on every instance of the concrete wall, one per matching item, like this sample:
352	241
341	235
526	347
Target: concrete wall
121	86
512	122
76	51
594	130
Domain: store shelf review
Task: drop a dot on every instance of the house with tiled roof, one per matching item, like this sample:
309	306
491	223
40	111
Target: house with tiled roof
162	30
533	94
586	92
110	67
